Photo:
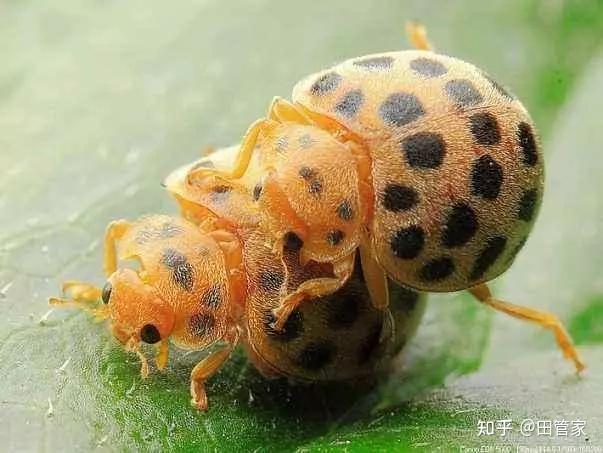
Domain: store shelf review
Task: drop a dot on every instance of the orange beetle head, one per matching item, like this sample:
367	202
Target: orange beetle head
136	312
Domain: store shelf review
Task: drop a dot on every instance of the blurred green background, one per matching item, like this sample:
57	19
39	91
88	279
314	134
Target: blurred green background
101	99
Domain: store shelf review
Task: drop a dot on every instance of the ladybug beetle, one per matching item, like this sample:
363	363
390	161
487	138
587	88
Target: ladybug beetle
418	162
181	290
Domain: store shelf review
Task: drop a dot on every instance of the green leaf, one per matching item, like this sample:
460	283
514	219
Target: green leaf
100	100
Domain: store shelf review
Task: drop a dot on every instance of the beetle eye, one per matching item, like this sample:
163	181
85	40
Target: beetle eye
106	292
149	334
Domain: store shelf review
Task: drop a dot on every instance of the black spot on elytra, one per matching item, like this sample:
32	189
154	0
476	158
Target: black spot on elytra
498	87
293	328
182	270
408	242
335	237
212	297
257	191
375	63
397	198
460	225
343	311
316	355
292	241
437	269
221	189
490	253
527	205
428	67
484	128
515	251
463	93
527	142
349	105
281	143
145	235
167	230
315	187
424	150
400	109
486	178
305	141
201	324
271	279
220	193
325	84
307	173
370	344
345	211
311	177
407	297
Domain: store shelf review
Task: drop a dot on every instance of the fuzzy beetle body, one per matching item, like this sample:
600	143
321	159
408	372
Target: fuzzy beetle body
456	172
418	162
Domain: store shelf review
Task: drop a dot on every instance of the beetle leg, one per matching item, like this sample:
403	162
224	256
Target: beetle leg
543	318
132	345
207	367
374	276
243	157
161	358
99	313
115	231
81	291
313	288
282	111
83	296
377	284
417	35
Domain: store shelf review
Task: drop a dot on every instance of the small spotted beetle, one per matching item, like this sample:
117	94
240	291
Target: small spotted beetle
420	161
197	285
